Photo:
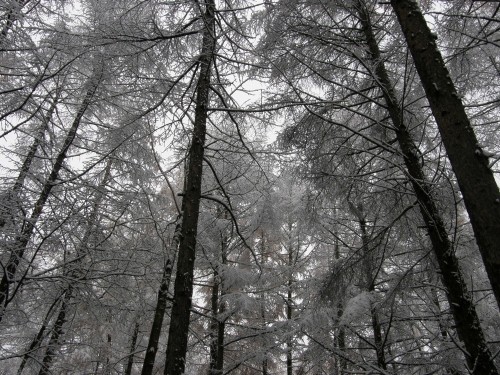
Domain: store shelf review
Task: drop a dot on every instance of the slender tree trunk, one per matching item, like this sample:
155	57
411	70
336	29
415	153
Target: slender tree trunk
74	272
18	247
183	288
221	321
265	364
11	203
263	339
161	307
460	299
214	326
289	342
439	315
370	287
37	340
130	361
217	327
289	303
57	331
469	162
339	341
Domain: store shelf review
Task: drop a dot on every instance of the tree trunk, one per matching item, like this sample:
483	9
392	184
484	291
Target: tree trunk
18	247
183	287
74	273
11	202
460	300
378	341
289	302
57	331
130	361
214	326
339	340
469	162
161	307
37	340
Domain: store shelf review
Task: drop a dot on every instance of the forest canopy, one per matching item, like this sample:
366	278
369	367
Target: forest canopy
301	187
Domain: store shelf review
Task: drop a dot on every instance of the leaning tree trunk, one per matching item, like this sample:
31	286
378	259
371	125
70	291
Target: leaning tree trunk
37	340
11	206
161	307
18	247
74	272
468	160
183	287
468	326
57	331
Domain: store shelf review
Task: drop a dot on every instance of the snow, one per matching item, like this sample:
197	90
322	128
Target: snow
356	307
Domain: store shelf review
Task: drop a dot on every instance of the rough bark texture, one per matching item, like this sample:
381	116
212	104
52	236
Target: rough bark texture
460	300
468	160
183	287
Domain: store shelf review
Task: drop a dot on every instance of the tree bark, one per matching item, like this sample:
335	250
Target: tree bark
183	287
289	302
130	361
460	300
18	247
11	202
74	272
161	307
57	331
37	340
214	325
468	160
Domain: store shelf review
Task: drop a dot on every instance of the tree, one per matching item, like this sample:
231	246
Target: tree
183	288
469	161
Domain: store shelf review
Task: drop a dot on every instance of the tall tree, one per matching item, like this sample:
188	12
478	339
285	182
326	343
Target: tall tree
183	288
469	161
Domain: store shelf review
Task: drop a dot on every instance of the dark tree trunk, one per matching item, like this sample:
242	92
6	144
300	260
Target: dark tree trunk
339	340
468	160
10	206
214	326
18	247
161	307
130	361
183	287
57	331
289	303
74	272
460	300
37	340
